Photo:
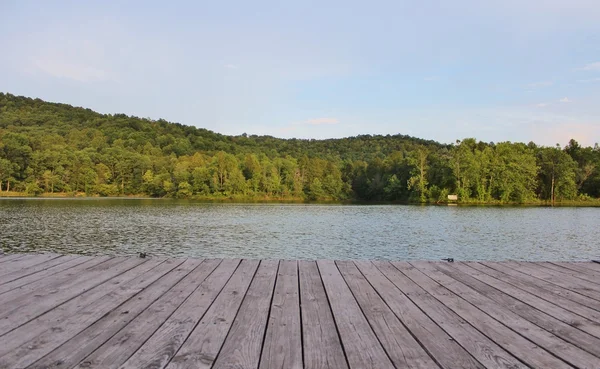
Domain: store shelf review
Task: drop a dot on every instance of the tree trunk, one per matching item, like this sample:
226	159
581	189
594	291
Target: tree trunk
552	190
8	185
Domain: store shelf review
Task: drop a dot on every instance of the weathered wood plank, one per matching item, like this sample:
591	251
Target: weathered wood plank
29	306
9	257
49	284
402	348
455	328
582	287
201	347
499	323
43	274
243	345
86	341
573	314
17	274
24	263
282	347
510	299
158	350
129	339
581	267
363	349
100	299
588	276
531	283
322	346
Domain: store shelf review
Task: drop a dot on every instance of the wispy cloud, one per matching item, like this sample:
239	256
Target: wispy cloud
565	100
591	66
78	72
541	84
231	66
590	80
322	121
541	105
431	78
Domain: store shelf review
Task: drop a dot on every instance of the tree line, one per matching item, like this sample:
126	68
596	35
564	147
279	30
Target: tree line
57	148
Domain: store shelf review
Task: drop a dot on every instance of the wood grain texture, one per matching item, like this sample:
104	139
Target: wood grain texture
160	348
283	341
24	263
574	284
363	349
587	276
486	352
93	336
322	346
534	283
129	339
80	318
547	306
43	274
36	268
202	346
540	317
64	313
243	345
497	322
402	348
129	312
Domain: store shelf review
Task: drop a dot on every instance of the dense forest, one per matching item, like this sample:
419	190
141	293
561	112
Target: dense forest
57	148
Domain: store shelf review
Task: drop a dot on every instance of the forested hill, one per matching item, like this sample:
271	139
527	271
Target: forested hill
50	147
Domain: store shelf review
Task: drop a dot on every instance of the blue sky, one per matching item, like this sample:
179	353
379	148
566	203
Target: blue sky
497	70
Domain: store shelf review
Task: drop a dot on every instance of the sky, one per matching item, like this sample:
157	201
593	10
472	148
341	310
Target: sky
496	70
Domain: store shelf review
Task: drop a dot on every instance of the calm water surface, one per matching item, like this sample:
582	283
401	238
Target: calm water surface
298	231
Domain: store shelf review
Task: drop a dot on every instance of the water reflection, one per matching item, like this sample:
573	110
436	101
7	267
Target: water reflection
297	231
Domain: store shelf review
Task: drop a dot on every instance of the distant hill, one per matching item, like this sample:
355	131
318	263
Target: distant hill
50	147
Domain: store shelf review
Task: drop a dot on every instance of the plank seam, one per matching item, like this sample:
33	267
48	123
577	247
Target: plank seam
491	317
335	323
363	313
264	337
202	316
399	319
124	302
167	318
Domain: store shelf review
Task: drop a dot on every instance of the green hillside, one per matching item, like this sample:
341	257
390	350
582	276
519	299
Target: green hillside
57	148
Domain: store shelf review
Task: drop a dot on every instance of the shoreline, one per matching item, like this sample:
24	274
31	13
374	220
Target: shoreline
254	200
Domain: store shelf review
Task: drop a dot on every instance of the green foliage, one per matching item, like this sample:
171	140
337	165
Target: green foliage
48	147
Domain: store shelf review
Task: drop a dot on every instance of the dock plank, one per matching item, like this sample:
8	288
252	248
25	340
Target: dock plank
282	346
164	343
128	340
363	349
532	283
400	345
42	274
17	274
127	312
322	346
480	318
25	262
99	300
540	316
586	276
487	352
577	316
580	286
71	352
243	345
204	343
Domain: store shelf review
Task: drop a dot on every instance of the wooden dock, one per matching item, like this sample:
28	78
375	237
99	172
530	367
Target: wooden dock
129	312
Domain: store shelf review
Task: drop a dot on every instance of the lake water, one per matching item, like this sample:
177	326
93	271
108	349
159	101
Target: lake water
298	231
